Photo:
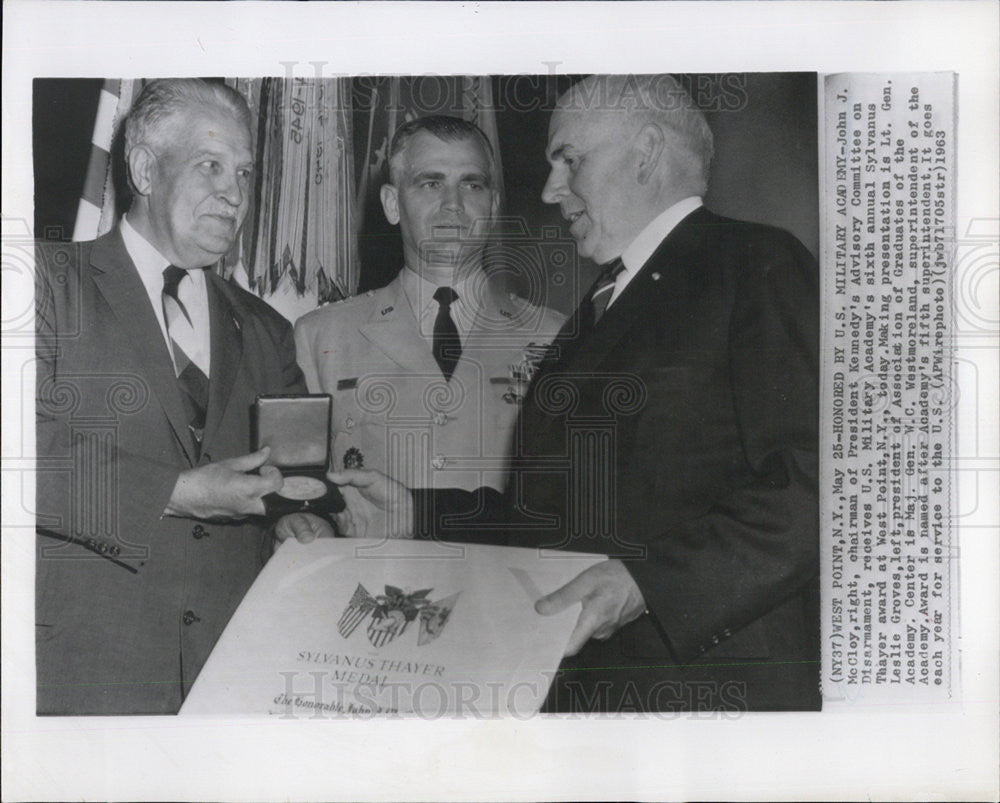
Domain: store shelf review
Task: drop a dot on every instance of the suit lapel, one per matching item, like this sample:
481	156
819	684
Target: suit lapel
564	345
394	330
118	281
227	352
649	293
583	352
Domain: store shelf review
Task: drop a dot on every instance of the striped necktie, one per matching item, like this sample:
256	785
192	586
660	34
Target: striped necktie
604	289
192	380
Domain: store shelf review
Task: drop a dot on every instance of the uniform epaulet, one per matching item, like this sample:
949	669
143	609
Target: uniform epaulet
351	299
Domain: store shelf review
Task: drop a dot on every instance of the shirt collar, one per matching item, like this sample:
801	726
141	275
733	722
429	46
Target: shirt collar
649	239
149	262
420	292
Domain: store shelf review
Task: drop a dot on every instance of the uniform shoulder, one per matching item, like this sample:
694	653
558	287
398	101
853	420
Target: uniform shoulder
346	311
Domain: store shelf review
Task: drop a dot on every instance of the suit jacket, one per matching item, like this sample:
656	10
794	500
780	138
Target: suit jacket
391	401
130	603
680	435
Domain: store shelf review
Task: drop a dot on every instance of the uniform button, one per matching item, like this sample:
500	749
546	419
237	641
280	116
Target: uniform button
440	419
199	532
726	633
102	548
190	618
439	461
349	423
715	639
701	648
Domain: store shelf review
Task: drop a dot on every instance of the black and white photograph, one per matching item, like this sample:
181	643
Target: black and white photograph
520	407
668	422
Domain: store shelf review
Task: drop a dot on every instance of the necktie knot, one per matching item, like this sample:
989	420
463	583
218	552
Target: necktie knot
172	276
445	296
610	271
604	289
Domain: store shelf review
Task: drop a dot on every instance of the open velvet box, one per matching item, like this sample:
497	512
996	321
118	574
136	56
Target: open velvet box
296	427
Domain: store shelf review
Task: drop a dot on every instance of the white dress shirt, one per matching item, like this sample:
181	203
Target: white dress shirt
192	292
649	239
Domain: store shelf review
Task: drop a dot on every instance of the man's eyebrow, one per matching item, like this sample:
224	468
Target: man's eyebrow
423	175
476	175
203	153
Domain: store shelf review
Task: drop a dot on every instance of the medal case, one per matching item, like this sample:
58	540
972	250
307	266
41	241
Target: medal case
296	427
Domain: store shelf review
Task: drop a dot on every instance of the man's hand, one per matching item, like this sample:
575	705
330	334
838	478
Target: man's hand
377	505
224	490
303	527
610	598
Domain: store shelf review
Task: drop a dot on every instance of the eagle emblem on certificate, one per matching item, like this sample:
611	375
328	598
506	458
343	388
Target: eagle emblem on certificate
388	615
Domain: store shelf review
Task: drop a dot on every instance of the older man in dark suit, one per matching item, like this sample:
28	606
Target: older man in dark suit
674	429
148	363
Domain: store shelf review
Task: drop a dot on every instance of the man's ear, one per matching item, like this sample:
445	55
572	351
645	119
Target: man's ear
390	203
141	164
649	142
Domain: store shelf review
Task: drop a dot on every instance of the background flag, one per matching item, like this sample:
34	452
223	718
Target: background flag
297	248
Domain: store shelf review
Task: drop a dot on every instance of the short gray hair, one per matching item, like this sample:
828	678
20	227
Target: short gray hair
445	128
660	99
164	98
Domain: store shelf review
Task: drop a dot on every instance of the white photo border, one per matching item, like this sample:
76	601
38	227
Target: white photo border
945	750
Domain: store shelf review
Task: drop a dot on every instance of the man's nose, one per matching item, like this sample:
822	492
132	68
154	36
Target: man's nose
555	187
229	188
452	199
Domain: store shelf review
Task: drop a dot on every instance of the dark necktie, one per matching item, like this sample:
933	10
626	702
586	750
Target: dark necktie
604	289
447	344
190	378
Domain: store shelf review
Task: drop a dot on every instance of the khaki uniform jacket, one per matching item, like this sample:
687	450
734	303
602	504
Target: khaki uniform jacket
392	404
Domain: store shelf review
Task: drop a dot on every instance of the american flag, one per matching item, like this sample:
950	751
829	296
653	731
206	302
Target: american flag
362	603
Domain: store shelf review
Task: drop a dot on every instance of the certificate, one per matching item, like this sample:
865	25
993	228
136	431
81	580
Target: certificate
355	628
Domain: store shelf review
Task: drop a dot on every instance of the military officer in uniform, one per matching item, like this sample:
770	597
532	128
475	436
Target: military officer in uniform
427	372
